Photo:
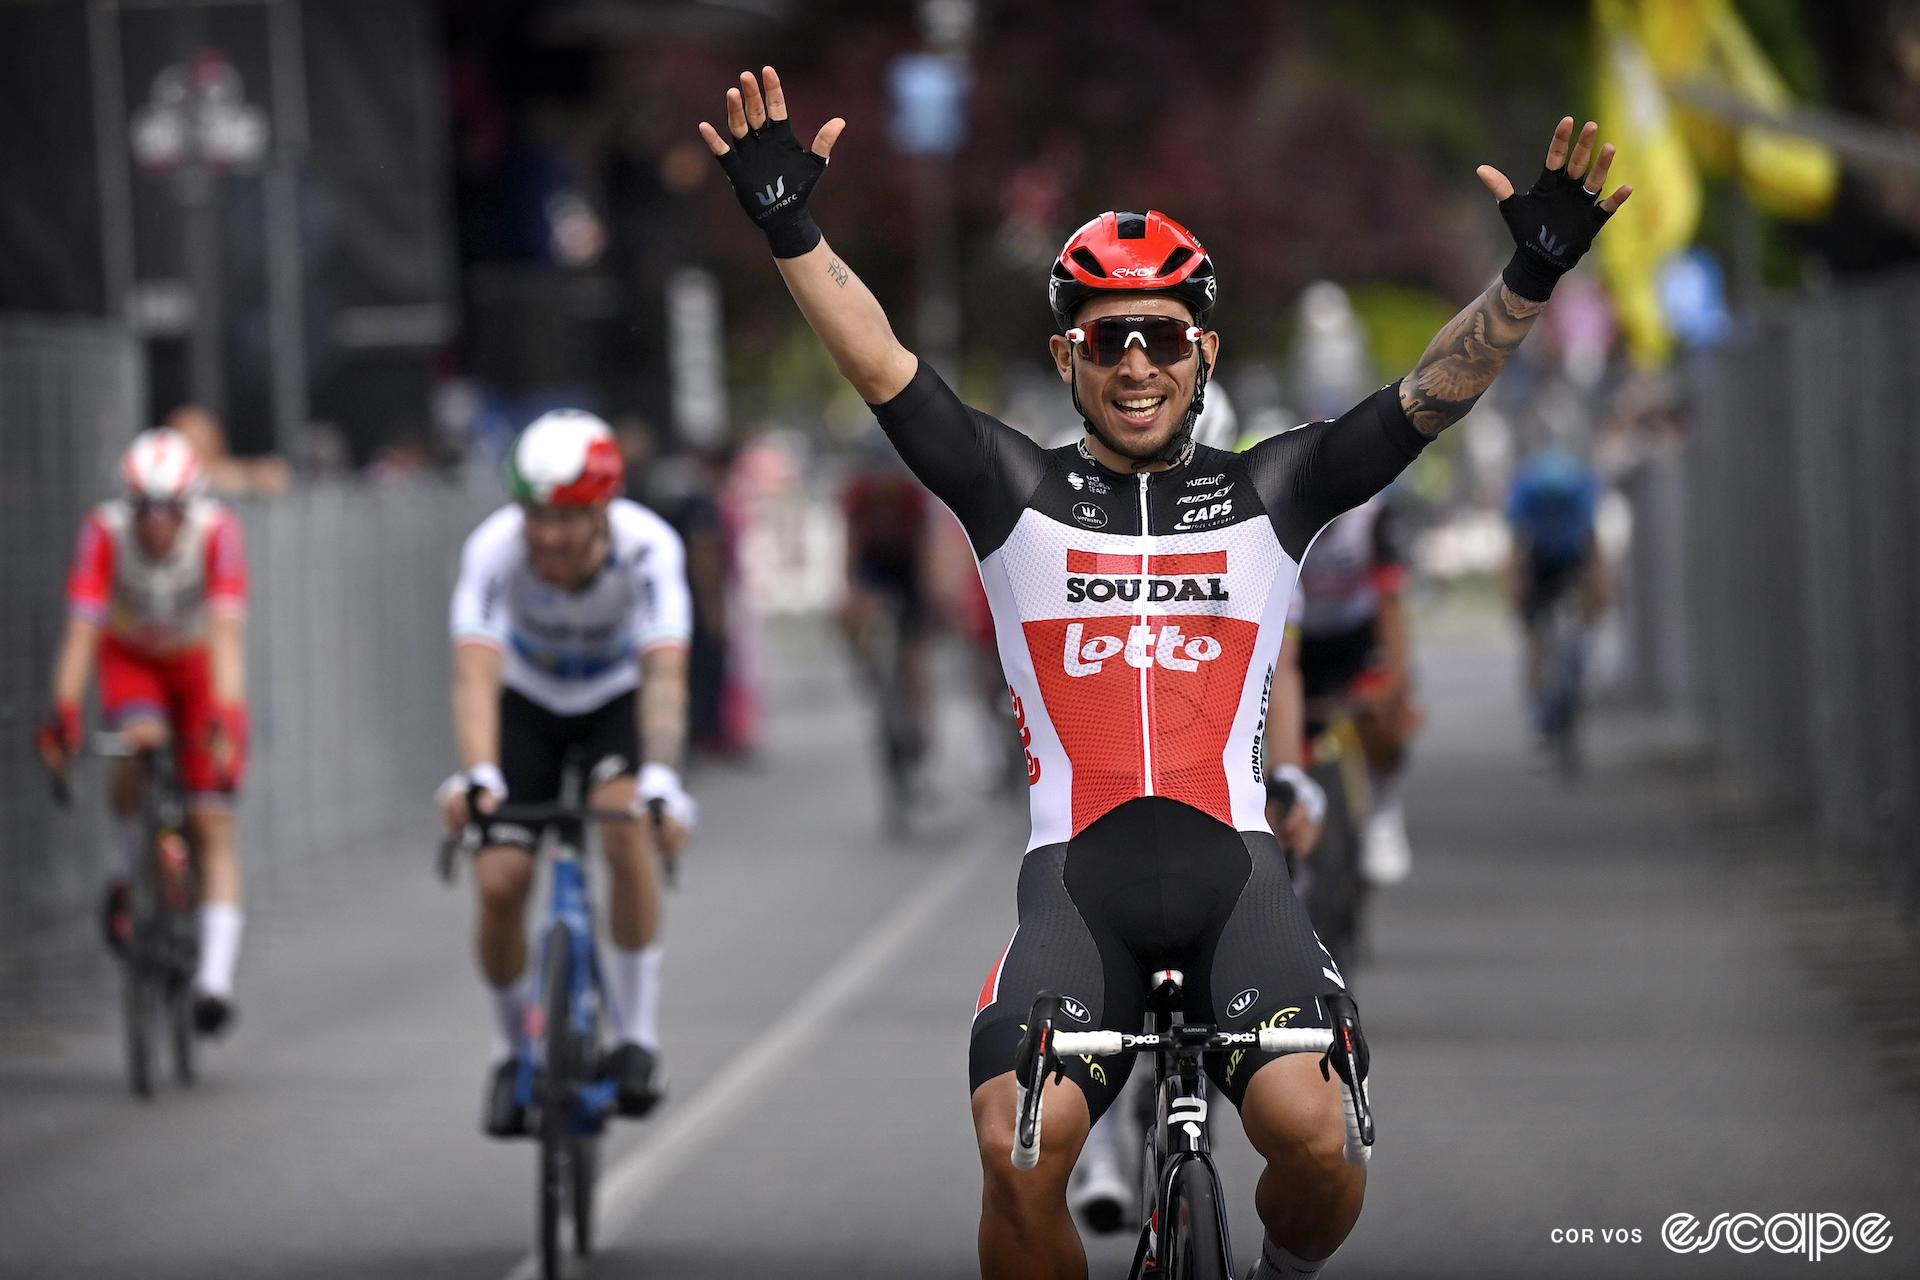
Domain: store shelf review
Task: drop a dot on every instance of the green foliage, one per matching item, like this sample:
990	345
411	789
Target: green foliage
1399	322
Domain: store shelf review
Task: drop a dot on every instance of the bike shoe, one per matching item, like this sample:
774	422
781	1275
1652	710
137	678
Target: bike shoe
503	1116
638	1073
1098	1193
116	916
212	1014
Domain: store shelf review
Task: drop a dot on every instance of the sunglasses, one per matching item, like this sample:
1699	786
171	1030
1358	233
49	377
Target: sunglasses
1165	340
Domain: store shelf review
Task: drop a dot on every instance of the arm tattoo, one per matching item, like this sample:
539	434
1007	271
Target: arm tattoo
1466	356
838	271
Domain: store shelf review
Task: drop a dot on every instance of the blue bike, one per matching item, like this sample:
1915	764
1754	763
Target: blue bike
561	1086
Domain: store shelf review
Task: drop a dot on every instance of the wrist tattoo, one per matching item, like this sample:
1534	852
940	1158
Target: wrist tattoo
838	271
1466	356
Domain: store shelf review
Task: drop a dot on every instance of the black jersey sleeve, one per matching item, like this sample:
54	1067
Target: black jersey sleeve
978	465
1307	476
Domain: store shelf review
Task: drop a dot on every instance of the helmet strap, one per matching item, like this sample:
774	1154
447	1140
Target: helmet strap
1179	446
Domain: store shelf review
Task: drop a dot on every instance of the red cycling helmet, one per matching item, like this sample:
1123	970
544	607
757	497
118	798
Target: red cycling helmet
1131	253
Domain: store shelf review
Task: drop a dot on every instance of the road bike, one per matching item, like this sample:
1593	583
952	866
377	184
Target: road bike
1561	697
1184	1232
160	948
562	1087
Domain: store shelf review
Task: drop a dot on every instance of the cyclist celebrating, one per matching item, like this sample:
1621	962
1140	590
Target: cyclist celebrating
1139	585
158	597
570	625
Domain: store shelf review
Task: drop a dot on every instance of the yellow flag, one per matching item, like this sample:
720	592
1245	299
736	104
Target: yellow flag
1651	155
1785	174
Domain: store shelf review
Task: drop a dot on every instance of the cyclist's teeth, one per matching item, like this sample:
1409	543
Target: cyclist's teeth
1140	406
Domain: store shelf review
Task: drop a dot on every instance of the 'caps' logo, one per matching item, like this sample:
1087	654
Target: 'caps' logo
1074	1009
1089	515
1242	1002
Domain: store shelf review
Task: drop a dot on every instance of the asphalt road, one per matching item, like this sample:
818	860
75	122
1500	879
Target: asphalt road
1590	1009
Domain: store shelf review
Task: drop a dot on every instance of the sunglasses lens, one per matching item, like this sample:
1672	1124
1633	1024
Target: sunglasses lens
1162	338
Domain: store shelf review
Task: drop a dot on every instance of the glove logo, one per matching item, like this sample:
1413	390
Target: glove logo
773	194
1552	247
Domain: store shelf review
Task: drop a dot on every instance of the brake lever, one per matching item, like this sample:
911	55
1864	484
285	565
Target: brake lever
657	810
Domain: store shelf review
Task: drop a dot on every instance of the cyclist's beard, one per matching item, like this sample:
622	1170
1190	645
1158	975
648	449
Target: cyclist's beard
1169	448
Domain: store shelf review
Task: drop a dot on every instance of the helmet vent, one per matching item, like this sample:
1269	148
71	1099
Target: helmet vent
1130	226
1175	260
1086	259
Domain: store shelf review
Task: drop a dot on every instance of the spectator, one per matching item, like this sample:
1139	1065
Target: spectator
228	476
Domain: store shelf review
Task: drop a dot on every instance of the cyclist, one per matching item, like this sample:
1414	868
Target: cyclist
888	544
1550	509
1356	650
158	598
570	625
1139	584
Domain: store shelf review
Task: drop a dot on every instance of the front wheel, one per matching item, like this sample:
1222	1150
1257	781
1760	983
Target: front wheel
557	1083
1194	1235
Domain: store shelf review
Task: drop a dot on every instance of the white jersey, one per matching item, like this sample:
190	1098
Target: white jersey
1353	561
573	651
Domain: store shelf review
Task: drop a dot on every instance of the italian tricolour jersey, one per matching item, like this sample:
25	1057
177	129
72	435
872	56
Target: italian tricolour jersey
1139	616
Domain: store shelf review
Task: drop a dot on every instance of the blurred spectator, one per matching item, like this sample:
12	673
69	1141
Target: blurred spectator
228	476
688	489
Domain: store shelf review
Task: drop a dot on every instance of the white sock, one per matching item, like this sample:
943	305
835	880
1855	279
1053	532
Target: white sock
636	995
1279	1264
1110	1133
129	837
220	925
510	1015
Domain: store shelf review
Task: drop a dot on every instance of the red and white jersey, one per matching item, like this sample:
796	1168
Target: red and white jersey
162	606
1139	617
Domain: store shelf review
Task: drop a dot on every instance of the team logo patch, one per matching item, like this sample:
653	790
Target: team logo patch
1242	1002
1074	1009
1089	515
1092	484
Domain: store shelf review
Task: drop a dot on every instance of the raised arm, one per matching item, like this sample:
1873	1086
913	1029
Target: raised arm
1552	225
773	177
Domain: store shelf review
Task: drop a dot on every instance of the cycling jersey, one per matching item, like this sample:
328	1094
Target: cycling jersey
573	651
1551	507
158	607
1355	560
1139	616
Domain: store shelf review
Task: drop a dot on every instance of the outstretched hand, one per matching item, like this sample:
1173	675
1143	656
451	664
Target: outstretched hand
771	174
1555	222
748	109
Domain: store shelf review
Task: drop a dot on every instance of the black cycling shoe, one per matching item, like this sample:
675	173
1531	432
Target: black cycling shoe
502	1115
212	1014
642	1082
116	916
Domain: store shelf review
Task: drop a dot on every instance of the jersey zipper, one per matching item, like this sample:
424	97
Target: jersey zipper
1146	668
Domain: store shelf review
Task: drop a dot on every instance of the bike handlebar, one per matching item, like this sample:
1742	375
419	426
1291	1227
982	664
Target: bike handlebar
1049	1047
469	835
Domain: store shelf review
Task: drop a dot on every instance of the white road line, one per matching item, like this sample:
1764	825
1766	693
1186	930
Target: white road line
632	1181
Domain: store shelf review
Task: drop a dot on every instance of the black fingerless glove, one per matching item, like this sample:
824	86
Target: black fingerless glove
1552	225
772	176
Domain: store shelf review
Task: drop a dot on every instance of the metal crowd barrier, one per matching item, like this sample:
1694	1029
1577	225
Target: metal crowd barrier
1801	534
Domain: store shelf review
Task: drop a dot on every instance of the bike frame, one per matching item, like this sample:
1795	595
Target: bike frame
570	904
1179	1135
